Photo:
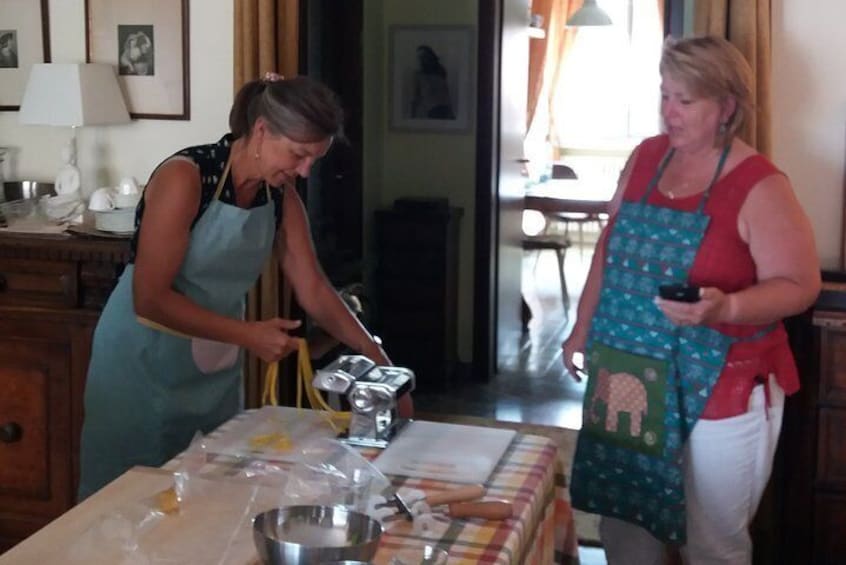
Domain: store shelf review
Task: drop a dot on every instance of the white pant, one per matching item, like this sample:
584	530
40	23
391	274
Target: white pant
726	464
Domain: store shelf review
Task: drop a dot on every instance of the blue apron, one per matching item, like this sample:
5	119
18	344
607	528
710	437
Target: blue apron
149	390
649	379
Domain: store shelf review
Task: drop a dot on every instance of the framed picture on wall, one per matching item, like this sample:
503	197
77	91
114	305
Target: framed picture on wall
24	41
432	78
147	42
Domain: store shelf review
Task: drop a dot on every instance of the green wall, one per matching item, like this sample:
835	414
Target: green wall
399	163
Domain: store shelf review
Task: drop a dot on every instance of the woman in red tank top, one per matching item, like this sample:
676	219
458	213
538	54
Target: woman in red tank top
756	265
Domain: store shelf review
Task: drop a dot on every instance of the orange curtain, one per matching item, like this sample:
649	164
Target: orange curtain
546	55
747	24
266	39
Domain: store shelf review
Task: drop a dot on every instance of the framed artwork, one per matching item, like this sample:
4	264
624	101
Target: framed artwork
24	41
147	42
432	78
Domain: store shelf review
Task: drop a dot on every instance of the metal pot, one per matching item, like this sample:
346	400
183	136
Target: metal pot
306	535
25	189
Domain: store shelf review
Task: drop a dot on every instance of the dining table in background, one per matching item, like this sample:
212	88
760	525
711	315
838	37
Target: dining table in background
569	196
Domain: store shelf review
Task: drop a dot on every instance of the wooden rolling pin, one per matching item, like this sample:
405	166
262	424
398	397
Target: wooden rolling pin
460	494
488	509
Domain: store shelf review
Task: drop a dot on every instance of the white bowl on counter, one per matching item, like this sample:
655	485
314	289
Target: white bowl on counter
119	220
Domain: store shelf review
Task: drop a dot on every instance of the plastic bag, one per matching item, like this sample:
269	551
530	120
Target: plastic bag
332	473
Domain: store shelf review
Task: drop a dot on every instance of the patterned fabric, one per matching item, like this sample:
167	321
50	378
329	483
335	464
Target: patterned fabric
529	475
643	367
724	261
211	160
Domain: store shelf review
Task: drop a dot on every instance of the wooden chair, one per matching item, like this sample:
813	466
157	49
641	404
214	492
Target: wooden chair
569	219
559	245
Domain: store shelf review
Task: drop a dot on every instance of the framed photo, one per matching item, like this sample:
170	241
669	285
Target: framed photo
432	78
147	42
24	40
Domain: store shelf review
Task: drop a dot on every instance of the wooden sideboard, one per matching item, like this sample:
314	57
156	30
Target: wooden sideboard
810	473
52	290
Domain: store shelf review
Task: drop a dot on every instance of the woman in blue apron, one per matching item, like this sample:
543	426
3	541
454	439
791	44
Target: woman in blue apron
685	393
166	359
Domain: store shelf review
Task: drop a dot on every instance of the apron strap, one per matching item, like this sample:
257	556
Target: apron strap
222	181
653	183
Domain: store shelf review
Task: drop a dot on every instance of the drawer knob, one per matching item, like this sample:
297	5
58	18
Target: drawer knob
11	432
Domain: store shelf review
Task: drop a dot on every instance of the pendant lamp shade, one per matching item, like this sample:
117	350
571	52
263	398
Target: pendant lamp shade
589	15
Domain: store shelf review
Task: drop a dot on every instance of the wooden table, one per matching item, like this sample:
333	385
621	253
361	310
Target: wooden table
565	195
529	474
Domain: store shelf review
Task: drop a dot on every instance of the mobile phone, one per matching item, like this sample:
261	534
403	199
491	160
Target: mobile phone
679	292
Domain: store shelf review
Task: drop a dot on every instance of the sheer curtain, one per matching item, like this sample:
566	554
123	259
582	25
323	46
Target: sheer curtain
547	54
266	39
746	23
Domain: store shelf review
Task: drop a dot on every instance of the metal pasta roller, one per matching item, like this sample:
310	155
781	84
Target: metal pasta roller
372	392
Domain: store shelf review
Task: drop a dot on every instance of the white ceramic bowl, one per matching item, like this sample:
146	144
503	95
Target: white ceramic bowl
119	220
122	200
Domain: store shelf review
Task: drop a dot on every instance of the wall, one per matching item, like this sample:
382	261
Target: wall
109	152
809	113
418	164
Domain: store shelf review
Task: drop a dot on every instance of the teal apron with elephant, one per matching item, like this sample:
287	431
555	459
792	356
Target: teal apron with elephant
149	389
649	379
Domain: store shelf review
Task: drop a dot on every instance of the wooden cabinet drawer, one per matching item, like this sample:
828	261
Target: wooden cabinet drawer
30	282
35	432
831	451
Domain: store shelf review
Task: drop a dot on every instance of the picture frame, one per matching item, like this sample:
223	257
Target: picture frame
24	41
432	78
147	42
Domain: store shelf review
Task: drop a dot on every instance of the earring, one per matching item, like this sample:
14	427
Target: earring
257	155
723	128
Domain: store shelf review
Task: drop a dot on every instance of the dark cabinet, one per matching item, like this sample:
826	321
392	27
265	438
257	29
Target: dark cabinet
810	475
416	288
51	293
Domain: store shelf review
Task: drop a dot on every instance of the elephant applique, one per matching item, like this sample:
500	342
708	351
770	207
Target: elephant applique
621	392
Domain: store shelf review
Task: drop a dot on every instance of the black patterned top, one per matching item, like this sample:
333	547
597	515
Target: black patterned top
211	160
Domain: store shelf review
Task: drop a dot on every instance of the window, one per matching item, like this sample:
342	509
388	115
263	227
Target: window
607	96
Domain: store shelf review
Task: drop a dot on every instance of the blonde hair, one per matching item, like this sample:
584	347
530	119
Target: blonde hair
711	67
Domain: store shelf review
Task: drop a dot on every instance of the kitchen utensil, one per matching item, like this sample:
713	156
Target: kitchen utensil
305	535
485	509
428	555
372	393
461	494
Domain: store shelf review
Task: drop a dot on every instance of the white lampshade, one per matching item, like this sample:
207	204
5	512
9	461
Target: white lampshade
589	15
72	94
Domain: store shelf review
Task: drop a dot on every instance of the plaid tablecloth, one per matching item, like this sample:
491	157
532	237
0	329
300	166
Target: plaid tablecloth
529	474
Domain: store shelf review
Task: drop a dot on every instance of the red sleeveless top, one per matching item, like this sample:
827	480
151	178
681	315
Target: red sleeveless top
724	261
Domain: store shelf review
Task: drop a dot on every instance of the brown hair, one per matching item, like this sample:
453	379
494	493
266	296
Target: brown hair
300	108
712	68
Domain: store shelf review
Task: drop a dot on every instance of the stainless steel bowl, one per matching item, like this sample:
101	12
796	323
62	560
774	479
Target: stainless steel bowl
306	535
26	189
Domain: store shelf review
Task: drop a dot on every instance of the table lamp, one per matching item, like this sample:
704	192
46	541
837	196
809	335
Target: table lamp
72	94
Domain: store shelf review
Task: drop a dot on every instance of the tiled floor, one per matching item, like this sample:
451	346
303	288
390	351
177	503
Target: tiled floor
533	387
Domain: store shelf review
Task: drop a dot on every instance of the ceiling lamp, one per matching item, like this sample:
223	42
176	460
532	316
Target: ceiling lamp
589	15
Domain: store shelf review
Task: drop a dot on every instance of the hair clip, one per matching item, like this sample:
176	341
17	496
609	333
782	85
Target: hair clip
270	76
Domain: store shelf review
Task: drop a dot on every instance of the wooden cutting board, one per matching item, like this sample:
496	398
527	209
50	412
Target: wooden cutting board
213	527
445	452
